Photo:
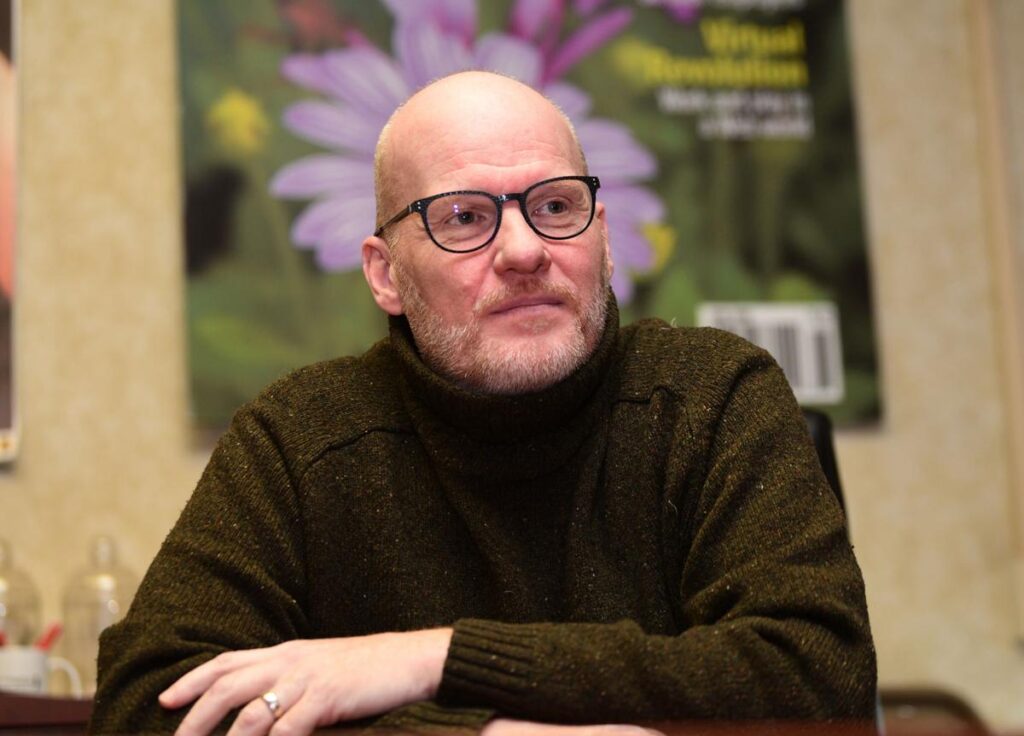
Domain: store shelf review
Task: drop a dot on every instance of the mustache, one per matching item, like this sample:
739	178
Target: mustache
530	286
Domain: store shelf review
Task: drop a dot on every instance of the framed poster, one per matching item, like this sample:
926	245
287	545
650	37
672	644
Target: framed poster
8	213
722	130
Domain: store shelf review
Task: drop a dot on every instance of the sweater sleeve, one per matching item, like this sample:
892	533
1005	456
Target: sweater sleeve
228	576
772	614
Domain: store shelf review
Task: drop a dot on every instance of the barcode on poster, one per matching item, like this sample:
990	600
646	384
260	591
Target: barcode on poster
803	337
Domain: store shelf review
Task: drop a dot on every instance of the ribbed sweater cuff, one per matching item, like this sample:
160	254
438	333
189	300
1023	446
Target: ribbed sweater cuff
490	663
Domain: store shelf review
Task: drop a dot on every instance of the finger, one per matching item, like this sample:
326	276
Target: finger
226	693
255	718
259	716
301	718
194	683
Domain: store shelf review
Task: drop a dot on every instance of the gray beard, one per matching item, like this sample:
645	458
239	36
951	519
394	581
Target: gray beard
458	353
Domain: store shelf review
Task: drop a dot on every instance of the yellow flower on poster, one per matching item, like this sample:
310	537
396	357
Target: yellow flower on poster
238	123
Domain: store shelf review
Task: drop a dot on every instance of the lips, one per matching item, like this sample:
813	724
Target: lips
526	301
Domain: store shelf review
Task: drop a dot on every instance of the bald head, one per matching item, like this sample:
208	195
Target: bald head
447	123
484	132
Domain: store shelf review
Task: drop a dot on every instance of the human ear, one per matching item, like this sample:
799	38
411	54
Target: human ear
377	270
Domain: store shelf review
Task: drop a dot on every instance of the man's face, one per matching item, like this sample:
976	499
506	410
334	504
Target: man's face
518	336
523	312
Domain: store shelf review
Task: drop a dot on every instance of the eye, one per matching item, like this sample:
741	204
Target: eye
460	212
553	207
465	217
557	203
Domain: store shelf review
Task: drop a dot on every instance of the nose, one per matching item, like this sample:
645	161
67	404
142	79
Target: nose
517	248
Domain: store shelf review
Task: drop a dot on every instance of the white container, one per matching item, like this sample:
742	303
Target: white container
26	670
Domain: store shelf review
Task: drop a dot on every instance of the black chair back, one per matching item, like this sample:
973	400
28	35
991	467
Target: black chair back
820	428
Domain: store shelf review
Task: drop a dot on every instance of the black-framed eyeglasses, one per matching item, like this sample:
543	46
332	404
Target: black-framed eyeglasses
464	221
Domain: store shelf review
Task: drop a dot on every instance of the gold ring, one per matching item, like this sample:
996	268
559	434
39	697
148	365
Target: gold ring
273	703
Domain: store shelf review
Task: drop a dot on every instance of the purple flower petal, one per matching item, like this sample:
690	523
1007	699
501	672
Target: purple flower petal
630	205
586	7
587	40
428	53
685	11
630	249
322	174
307	70
326	220
333	126
314	221
366	79
453	17
529	17
341	250
499	52
403	10
341	256
459	17
612	152
573	101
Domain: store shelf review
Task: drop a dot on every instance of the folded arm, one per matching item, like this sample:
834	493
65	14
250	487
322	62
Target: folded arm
769	603
771	612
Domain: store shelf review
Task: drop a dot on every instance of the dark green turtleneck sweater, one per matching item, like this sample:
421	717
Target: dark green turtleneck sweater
651	538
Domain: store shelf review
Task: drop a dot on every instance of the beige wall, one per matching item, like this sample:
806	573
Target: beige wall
1009	51
101	366
932	505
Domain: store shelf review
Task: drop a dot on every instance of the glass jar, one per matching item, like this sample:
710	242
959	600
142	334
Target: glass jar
96	596
19	601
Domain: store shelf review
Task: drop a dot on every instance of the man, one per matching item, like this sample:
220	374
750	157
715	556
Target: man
510	510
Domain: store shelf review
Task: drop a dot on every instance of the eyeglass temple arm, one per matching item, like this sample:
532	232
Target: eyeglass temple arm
404	213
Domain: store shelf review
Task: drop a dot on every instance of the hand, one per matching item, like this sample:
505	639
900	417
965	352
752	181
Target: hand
318	682
507	727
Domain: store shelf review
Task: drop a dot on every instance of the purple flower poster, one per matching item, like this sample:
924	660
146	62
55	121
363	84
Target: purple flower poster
8	432
722	131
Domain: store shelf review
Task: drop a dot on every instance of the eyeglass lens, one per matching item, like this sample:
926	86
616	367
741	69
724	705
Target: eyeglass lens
557	209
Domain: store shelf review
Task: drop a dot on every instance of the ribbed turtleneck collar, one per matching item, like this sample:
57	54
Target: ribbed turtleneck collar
552	419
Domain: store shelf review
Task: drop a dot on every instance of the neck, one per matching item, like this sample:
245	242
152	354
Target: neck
503	415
